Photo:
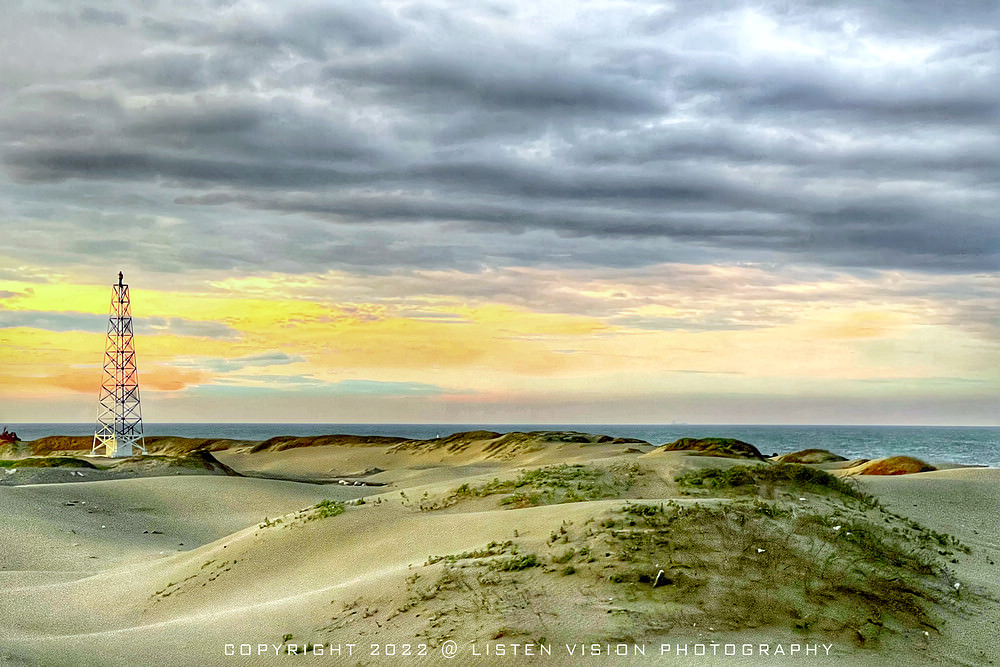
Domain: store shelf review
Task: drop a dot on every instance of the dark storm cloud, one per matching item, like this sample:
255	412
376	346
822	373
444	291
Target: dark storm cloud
849	134
211	140
527	82
56	165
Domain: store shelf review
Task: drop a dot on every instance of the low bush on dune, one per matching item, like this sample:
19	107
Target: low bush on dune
723	447
327	508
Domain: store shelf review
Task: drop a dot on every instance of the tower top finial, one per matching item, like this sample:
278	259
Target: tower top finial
121	276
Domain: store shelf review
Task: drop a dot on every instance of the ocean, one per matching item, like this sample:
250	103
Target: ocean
935	444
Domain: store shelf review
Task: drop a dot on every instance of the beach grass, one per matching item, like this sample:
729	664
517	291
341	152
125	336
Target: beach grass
548	485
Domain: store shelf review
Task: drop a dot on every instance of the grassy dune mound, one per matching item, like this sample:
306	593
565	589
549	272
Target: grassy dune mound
282	442
725	447
490	444
643	570
756	564
827	561
195	461
155	444
55	469
810	456
48	462
456	442
503	446
893	465
61	443
765	480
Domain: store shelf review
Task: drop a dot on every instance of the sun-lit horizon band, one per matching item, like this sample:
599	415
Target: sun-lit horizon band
231	354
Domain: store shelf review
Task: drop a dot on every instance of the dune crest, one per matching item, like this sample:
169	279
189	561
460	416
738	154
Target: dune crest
723	447
809	456
892	465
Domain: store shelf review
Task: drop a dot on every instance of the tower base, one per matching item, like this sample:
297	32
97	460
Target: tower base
116	448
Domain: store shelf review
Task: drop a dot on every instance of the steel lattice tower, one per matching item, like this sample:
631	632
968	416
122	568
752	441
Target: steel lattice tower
119	418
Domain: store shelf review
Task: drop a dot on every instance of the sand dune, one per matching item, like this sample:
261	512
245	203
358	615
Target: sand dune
892	465
155	444
475	539
89	526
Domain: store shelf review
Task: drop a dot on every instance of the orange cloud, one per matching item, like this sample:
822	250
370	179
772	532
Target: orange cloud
169	378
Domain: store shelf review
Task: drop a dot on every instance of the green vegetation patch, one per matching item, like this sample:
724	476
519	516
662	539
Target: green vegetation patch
326	509
752	478
551	485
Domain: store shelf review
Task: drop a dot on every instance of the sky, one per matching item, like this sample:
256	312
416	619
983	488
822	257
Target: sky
591	211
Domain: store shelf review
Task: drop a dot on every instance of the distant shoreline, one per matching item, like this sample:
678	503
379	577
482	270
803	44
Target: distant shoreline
969	446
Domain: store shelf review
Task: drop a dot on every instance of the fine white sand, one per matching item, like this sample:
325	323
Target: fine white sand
85	580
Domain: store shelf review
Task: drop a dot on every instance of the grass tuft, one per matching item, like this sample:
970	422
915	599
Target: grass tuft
327	508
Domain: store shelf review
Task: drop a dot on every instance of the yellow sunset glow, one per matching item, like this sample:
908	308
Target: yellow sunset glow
458	352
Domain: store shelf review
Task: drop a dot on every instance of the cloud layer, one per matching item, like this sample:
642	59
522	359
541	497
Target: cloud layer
848	134
648	166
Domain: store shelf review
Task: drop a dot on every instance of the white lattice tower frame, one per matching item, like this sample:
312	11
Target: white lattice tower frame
119	415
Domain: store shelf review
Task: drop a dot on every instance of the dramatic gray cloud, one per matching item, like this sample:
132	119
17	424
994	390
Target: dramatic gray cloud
305	135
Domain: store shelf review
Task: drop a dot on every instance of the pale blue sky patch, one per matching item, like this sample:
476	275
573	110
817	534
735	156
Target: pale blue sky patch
386	389
311	387
273	358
